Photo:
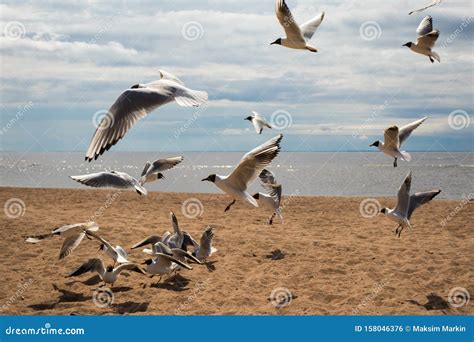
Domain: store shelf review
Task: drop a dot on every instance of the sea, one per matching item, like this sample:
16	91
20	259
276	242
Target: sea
365	174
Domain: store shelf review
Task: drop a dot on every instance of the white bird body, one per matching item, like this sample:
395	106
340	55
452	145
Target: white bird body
248	169
152	171
394	137
297	37
271	199
407	204
426	39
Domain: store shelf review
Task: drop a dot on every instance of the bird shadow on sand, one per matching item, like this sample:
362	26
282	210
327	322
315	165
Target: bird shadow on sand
210	265
176	283
434	302
65	296
130	307
94	280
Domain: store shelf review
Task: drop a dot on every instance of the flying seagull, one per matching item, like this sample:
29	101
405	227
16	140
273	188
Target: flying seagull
152	171
394	137
426	40
258	122
108	274
271	199
113	179
73	235
117	253
174	240
247	171
433	3
134	104
407	204
204	249
297	37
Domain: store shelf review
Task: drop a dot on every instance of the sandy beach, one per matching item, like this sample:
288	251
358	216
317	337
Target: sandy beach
326	255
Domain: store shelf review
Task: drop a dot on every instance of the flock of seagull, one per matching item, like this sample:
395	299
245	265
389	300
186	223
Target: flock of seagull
169	252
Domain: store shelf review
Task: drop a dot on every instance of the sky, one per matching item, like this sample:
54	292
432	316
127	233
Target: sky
63	64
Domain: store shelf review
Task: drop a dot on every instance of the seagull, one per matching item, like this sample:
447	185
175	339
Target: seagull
117	253
407	204
152	171
176	239
134	104
108	274
258	122
272	198
247	171
433	3
112	179
205	249
426	39
297	37
73	235
163	261
394	137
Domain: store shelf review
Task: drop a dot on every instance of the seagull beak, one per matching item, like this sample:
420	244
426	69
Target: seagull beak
205	179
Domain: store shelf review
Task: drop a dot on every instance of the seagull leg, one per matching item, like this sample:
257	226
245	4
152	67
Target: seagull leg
400	231
431	59
230	205
270	220
395	163
396	229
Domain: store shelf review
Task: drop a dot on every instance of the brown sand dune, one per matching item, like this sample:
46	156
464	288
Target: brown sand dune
331	259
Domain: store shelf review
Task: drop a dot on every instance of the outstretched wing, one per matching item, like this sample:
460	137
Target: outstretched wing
91	265
309	27
405	131
429	39
292	30
130	266
254	162
391	139
433	3
420	198
425	27
404	196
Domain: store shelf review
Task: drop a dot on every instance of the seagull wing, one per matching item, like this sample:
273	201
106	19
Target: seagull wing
103	179
429	39
165	164
274	191
94	264
150	240
404	197
391	139
173	259
309	27
292	30
267	177
425	27
433	3
252	163
100	239
405	131
129	266
70	244
420	198
145	169
179	253
131	105
165	75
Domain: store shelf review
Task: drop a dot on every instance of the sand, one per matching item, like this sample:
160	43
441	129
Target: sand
331	260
